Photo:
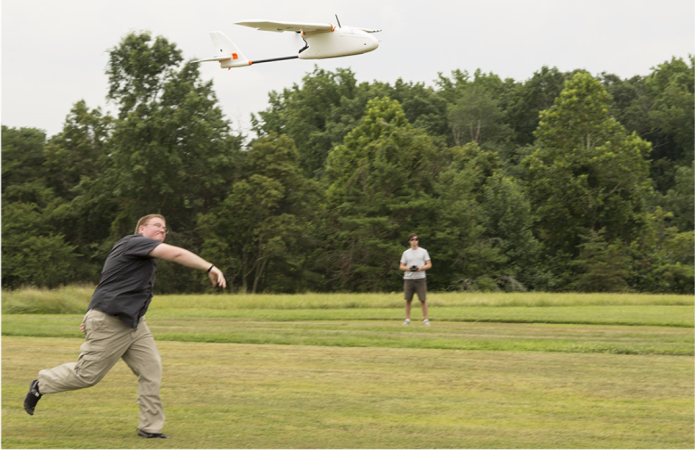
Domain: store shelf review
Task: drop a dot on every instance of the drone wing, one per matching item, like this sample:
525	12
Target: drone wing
298	27
369	31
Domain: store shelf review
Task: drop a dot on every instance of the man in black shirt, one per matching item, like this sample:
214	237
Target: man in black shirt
114	325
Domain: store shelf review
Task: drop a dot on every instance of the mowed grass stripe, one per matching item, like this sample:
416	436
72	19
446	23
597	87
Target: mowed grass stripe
268	396
495	336
443	335
670	316
454	336
646	315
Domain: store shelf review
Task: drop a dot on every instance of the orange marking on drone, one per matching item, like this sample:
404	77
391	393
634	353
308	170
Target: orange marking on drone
234	56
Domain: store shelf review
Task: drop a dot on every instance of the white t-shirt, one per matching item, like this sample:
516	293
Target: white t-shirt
416	258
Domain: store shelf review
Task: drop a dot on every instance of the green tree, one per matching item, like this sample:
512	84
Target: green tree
79	150
474	103
670	90
476	117
680	199
32	253
508	218
76	158
138	68
630	104
422	106
450	88
663	257
601	266
246	238
526	100
378	187
467	259
587	173
303	112
22	156
660	108
318	113
259	232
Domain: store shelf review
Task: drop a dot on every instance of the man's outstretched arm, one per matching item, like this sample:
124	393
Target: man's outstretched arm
186	258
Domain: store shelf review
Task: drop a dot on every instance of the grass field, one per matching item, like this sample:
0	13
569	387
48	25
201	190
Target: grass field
339	371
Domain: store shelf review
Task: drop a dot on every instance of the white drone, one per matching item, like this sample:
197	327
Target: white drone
322	40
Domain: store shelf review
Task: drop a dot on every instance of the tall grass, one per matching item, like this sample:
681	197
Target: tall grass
395	300
74	300
65	300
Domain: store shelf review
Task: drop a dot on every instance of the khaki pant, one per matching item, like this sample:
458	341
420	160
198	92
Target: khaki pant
108	339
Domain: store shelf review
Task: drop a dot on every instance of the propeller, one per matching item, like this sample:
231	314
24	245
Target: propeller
337	20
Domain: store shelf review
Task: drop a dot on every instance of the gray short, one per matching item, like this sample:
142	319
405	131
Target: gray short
418	286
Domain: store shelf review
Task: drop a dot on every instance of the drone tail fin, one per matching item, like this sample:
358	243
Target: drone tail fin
228	55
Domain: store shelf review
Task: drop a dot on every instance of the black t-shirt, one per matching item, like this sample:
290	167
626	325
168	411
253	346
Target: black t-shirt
126	285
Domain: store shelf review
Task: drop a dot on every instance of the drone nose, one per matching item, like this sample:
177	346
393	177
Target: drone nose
371	43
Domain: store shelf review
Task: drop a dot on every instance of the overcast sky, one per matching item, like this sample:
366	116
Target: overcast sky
55	52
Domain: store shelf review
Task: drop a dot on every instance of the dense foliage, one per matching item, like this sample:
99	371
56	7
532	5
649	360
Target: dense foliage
562	182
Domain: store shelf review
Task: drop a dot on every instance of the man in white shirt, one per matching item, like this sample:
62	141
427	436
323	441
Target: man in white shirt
414	263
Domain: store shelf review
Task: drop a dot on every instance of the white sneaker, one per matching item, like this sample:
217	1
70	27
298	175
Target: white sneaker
427	323
406	322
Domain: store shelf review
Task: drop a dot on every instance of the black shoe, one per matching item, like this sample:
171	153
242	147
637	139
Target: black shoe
145	434
32	397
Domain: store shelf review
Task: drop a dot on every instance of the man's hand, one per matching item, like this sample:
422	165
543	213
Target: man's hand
82	327
217	277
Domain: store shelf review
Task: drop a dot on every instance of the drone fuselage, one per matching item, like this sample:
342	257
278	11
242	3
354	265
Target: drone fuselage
340	42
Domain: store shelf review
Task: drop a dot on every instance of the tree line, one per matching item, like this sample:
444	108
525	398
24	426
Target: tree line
563	182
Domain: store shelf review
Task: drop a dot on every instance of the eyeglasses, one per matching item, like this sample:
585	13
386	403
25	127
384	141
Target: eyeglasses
414	239
159	225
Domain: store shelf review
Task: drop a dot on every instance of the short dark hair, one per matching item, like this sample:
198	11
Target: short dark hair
411	236
145	219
